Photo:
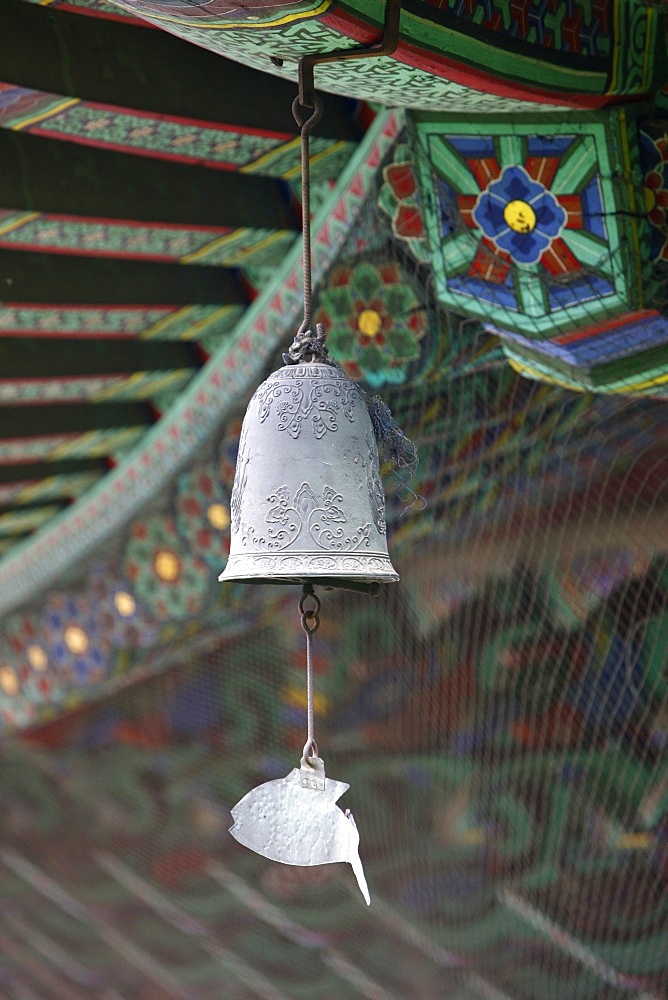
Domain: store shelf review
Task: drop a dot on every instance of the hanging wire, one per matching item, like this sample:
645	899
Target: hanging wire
306	126
310	617
309	345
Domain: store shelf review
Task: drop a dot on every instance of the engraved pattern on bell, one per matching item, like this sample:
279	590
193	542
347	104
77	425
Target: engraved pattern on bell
305	510
307	483
298	401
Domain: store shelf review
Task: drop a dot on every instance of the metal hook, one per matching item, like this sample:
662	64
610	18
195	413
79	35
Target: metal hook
386	45
307	123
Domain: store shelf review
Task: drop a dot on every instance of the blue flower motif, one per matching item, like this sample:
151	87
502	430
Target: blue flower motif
75	650
519	214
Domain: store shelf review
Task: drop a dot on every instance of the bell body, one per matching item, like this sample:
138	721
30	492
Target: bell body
308	502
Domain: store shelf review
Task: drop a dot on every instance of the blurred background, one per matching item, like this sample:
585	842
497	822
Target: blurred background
490	237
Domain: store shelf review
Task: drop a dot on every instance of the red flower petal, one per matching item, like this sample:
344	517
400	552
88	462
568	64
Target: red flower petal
340	276
204	539
390	274
417	322
408	222
401	179
206	486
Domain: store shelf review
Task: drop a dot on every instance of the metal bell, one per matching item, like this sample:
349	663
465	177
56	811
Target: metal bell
307	502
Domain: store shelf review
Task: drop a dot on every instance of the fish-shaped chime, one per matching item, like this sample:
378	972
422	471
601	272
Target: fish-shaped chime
295	820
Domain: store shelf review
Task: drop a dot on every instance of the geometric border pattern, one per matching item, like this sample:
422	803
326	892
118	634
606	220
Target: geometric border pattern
443	61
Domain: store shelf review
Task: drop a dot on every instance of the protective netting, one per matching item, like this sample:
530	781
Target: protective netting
500	715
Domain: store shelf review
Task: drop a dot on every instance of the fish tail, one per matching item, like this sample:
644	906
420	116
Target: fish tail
361	880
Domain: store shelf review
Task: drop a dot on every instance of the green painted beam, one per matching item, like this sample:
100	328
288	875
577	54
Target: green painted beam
15	526
16	520
7	543
48	175
24	472
32	504
137	67
46	490
27	276
63	357
72	418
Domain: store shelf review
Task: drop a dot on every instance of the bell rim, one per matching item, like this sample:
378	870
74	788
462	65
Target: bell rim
292	570
309	578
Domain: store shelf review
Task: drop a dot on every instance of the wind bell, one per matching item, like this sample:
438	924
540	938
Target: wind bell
308	507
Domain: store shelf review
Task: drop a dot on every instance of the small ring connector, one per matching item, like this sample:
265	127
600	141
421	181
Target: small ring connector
309	753
310	615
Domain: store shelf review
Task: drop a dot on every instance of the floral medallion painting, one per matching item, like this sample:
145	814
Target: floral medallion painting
374	322
169	579
519	215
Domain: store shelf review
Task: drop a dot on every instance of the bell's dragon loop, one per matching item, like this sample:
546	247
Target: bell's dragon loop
308	347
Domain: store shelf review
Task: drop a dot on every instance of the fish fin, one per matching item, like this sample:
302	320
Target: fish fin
335	789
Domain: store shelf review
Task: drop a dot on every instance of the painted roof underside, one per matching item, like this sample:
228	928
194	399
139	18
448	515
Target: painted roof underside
501	714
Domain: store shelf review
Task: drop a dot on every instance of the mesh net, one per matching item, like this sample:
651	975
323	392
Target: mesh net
500	715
